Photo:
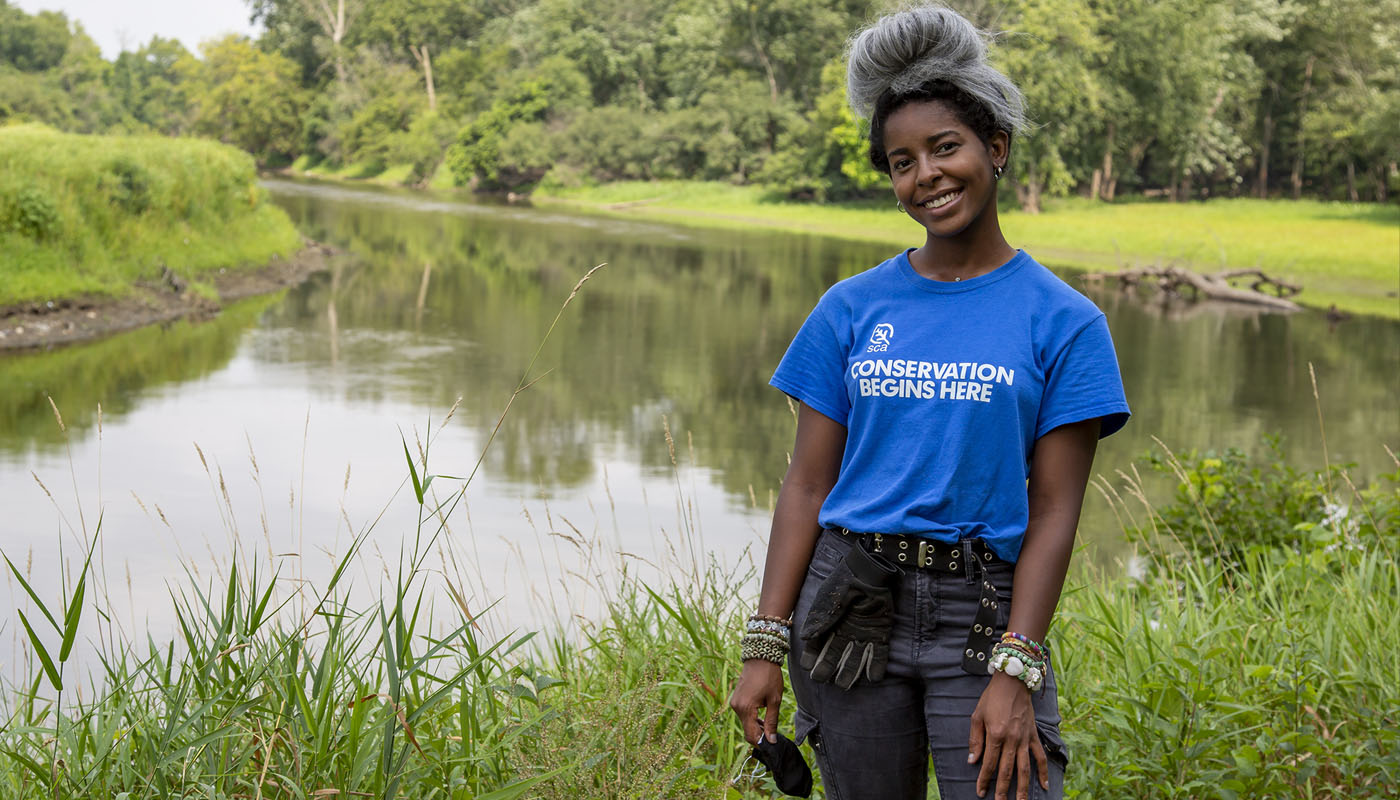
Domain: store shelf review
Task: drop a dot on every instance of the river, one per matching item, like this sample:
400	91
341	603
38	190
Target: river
647	440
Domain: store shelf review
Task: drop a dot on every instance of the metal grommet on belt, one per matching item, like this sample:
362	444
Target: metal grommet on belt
951	557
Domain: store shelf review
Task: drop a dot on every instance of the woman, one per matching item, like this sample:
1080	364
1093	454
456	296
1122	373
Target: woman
951	400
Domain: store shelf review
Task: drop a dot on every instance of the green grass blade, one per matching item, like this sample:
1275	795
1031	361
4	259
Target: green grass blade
72	618
43	654
32	596
413	473
519	787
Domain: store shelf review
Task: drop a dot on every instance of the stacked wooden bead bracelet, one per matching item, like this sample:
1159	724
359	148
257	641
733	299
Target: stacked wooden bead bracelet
766	637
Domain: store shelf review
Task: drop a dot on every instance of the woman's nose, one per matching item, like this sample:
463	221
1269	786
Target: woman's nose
929	170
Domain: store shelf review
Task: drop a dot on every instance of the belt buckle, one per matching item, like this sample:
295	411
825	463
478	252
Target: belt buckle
923	560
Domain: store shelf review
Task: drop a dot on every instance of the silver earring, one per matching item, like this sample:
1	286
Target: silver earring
996	172
900	203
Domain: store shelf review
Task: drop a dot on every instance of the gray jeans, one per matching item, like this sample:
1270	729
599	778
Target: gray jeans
874	741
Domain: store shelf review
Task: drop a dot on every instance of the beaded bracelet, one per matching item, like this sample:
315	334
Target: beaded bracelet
756	626
1036	648
1015	663
765	646
785	621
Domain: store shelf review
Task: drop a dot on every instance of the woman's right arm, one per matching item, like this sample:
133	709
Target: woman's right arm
816	461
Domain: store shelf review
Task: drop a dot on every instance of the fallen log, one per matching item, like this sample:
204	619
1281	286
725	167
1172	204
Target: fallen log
1175	281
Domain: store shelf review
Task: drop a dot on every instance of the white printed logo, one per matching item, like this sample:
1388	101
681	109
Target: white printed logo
880	339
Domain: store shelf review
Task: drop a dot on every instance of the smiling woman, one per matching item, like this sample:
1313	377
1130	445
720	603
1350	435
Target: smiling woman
923	532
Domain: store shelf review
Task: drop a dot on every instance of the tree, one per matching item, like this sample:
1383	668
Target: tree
247	98
148	85
418	28
32	43
1048	55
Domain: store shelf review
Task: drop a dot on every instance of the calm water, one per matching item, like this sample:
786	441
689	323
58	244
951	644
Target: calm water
297	404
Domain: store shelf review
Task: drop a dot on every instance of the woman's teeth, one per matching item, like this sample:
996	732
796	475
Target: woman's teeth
942	200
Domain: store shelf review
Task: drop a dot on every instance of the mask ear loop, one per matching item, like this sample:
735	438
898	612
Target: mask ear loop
756	775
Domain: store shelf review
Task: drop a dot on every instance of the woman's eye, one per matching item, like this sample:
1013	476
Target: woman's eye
903	163
947	147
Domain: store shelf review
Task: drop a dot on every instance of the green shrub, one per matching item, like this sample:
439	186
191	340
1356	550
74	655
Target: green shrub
127	185
93	214
1227	506
30	212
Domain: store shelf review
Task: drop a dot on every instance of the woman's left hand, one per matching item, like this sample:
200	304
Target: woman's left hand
1004	737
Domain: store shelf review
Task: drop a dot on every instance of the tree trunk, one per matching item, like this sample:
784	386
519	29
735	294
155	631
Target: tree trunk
1108	178
1095	183
1380	183
763	57
425	60
1297	176
333	24
1261	183
1351	181
1030	198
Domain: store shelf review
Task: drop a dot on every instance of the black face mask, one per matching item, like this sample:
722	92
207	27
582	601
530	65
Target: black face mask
784	761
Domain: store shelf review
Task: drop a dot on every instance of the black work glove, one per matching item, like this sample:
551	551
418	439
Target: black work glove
847	632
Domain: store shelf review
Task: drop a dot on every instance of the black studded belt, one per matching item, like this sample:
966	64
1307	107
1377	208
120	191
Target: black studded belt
967	556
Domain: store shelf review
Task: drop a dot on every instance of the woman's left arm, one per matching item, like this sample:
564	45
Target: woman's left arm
1003	726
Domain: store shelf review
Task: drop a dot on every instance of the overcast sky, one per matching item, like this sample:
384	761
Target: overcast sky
118	25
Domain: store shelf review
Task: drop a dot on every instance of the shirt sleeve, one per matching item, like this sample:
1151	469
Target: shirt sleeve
812	369
1083	383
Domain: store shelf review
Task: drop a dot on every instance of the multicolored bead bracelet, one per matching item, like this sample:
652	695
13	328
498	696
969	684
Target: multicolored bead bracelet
1014	661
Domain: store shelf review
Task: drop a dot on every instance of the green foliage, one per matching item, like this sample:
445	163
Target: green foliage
246	98
475	158
1228	508
149	85
28	211
94	214
32	43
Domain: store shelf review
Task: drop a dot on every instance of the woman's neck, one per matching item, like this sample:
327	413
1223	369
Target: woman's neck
961	257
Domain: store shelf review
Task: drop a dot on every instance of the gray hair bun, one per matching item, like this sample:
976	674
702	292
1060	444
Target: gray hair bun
905	50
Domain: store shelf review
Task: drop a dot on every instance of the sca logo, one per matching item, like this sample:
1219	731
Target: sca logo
880	339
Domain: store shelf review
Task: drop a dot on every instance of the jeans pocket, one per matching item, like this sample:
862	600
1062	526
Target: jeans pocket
1053	743
809	730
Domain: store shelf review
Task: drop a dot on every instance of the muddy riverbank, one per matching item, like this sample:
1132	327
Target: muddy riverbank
60	322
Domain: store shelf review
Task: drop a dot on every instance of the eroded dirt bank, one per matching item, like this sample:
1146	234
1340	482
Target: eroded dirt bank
59	322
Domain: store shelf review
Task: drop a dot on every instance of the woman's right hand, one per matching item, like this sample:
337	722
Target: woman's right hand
760	686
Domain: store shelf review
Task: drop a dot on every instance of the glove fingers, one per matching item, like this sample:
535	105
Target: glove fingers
829	658
855	662
879	657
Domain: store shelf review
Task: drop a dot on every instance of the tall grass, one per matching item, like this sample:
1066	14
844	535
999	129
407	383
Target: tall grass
1267	674
93	214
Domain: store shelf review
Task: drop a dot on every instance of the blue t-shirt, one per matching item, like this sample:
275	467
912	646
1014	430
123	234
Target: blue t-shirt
944	388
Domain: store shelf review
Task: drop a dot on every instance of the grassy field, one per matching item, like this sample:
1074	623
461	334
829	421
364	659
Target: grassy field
91	215
1343	254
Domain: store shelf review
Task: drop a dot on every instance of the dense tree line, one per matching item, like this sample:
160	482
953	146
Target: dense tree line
1182	98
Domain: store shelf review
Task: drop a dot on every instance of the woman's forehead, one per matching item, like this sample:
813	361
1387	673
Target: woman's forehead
921	119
